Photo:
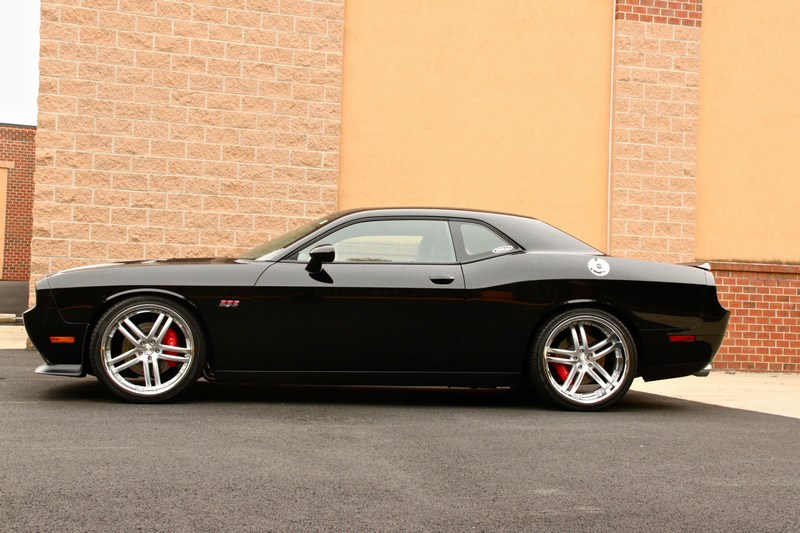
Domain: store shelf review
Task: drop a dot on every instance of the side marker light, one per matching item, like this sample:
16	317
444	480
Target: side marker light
62	340
682	338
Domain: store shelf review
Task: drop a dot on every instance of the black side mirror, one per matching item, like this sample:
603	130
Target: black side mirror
324	253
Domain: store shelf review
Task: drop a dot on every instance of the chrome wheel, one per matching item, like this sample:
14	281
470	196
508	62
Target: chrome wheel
147	349
584	359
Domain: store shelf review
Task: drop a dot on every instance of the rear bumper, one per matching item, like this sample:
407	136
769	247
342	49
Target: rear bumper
678	359
705	372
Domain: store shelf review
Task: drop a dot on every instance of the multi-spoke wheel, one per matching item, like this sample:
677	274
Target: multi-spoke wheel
147	349
583	359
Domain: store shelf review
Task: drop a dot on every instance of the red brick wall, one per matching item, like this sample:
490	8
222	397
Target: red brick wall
17	146
680	13
764	330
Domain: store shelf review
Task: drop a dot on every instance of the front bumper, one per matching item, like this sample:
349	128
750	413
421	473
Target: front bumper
70	371
61	344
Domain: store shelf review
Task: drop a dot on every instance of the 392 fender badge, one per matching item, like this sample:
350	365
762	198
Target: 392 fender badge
599	267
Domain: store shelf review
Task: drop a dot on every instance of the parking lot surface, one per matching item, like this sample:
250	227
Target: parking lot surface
257	458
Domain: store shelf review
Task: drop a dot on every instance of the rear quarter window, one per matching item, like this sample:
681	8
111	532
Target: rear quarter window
478	241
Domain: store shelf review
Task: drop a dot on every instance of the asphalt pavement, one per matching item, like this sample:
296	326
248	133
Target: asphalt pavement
258	458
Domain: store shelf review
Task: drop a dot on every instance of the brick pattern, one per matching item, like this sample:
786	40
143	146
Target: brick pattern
681	13
17	145
183	128
764	329
656	80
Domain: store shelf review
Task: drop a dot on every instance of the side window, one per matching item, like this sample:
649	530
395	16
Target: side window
479	241
389	241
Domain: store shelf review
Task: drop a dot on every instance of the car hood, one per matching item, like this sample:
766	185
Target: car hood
156	262
208	271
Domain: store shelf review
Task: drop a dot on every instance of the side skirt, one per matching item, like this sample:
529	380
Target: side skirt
447	379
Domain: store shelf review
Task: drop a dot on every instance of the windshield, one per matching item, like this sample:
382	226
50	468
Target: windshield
270	249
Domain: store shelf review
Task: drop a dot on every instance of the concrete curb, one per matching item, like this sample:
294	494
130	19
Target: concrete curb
7	318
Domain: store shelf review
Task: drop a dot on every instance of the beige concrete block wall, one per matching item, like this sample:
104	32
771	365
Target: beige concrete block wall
183	128
655	108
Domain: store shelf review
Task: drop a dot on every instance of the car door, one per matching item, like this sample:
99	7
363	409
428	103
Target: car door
390	301
497	320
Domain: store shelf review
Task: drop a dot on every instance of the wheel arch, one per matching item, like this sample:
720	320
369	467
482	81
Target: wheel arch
623	315
113	299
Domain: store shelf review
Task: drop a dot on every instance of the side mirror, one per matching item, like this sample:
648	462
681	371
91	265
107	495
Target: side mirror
324	253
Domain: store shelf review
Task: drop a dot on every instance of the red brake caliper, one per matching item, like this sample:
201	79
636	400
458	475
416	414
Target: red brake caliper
171	339
561	369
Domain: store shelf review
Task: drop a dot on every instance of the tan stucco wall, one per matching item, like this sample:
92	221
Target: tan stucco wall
500	104
748	189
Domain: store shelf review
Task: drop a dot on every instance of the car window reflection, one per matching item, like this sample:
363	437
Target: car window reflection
390	241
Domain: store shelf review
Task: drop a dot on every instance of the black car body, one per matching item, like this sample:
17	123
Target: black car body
386	297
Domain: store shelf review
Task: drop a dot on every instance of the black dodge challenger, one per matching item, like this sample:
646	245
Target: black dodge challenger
386	297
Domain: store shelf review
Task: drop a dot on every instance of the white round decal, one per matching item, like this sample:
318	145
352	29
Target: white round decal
599	267
501	249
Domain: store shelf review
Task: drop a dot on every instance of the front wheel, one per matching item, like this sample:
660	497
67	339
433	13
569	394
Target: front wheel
147	349
583	359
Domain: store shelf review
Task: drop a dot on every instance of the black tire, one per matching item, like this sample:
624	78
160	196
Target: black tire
583	359
147	349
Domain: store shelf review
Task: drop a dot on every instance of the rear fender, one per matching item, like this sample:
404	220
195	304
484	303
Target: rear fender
622	315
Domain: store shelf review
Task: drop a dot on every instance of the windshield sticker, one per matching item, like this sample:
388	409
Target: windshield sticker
501	249
599	267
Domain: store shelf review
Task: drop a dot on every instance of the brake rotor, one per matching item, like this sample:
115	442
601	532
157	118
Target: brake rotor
170	339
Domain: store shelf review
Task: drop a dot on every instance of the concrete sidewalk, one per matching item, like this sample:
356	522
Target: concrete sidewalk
777	394
12	337
764	392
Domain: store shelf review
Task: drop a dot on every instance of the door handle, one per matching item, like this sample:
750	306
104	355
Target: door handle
443	280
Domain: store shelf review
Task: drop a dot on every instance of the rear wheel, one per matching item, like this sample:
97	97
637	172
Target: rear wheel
583	359
147	349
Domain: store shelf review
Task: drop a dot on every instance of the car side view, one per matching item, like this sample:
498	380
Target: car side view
438	297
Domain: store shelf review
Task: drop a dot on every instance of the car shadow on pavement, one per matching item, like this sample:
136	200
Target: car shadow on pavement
89	390
19	365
